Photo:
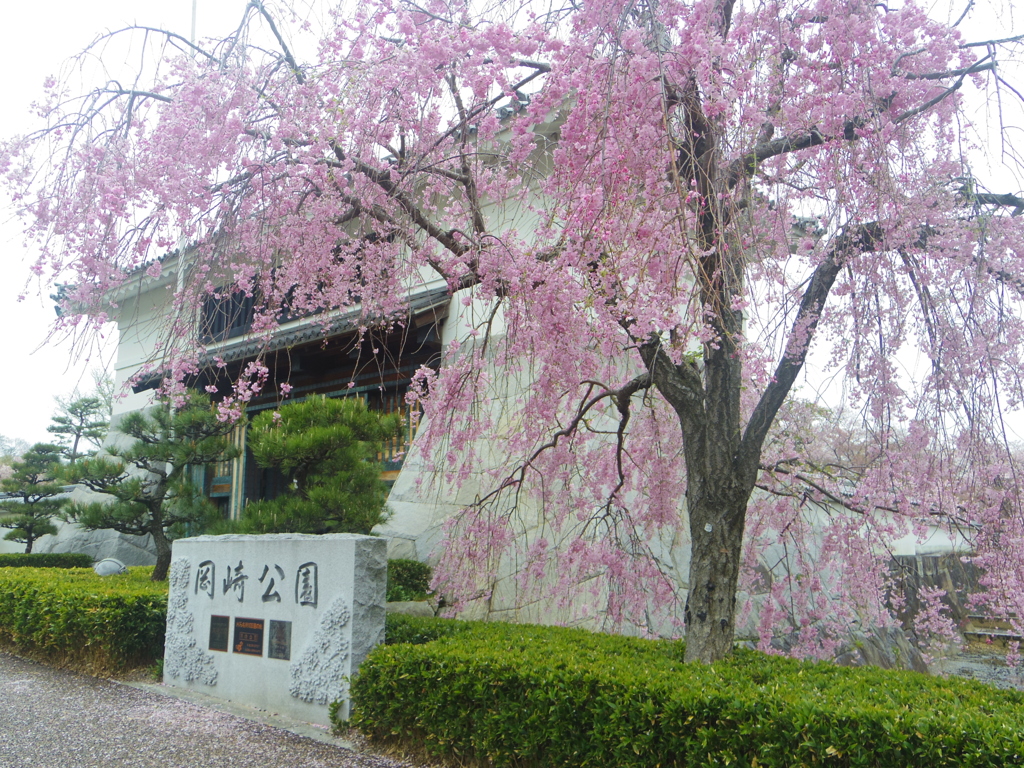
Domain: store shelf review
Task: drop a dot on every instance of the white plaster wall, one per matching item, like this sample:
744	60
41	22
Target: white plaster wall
142	326
141	320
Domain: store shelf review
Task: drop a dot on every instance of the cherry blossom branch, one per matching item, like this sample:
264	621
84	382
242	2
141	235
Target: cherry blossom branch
425	12
300	77
902	118
854	240
540	69
838	499
861	239
420	219
835	498
746	165
621	396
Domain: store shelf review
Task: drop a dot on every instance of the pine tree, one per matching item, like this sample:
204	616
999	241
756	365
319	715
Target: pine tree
327	450
31	493
82	419
147	481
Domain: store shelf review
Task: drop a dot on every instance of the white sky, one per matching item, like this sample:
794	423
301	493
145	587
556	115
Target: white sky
41	34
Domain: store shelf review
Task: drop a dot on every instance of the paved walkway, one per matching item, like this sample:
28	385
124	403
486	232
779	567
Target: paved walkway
50	718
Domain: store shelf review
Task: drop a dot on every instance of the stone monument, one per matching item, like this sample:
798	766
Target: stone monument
277	622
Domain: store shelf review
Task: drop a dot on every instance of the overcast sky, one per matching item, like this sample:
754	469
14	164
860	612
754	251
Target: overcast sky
41	34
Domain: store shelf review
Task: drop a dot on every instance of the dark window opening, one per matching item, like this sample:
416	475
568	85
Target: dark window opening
225	317
262	483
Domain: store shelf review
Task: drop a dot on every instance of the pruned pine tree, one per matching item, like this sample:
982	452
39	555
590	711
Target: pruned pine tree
80	422
327	451
149	489
30	495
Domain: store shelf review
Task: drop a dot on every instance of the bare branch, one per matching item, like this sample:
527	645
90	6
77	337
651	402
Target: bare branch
135	94
680	385
621	395
985	65
987	43
1006	200
172	36
296	70
931	102
967	9
860	239
746	165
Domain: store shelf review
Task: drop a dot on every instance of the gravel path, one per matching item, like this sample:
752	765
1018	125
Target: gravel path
50	718
984	666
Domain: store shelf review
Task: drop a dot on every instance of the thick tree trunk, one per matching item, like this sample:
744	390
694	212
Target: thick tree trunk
163	554
717	538
719	479
28	547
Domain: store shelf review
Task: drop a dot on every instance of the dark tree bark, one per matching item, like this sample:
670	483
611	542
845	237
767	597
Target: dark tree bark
163	554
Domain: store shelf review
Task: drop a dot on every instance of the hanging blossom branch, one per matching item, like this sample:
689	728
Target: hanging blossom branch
746	165
621	398
852	241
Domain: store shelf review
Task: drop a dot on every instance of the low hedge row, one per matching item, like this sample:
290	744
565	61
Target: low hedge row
46	560
399	628
75	618
546	696
407	580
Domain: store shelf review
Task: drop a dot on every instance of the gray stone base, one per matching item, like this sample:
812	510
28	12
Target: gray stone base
885	648
130	550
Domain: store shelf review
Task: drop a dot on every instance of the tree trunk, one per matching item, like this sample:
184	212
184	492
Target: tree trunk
28	547
718	486
163	554
716	532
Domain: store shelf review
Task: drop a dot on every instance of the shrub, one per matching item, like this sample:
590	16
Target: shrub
326	449
44	560
75	618
547	696
407	580
417	630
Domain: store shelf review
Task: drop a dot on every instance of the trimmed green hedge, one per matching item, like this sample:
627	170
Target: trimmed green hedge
407	580
46	560
399	628
547	696
76	618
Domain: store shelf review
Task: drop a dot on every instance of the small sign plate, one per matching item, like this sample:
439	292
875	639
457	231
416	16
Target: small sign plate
219	633
279	643
248	636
